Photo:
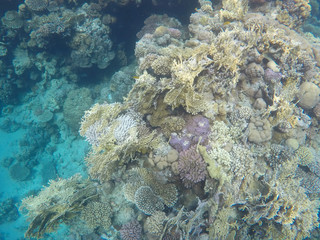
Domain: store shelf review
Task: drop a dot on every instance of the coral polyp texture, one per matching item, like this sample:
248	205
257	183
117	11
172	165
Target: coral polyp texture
218	138
192	168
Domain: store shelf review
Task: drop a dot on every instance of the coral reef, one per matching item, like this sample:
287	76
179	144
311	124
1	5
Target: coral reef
225	110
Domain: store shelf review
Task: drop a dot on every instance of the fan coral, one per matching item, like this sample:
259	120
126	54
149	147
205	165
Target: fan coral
192	167
61	201
131	231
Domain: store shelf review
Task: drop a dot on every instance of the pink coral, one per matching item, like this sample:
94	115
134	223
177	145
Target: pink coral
192	167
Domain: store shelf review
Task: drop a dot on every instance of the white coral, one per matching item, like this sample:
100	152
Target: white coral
125	123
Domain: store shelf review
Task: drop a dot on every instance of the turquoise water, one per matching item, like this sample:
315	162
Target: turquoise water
221	130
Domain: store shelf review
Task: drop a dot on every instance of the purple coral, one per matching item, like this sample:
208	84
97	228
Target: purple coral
180	143
271	76
131	231
199	127
197	131
191	166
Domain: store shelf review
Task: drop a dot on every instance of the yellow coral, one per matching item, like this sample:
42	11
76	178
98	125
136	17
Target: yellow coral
233	10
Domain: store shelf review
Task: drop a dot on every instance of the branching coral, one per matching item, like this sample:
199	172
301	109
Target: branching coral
233	9
59	202
116	138
293	13
192	168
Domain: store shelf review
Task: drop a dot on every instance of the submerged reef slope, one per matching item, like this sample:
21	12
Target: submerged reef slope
218	137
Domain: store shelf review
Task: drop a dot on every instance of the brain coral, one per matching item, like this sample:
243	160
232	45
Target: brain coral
192	168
